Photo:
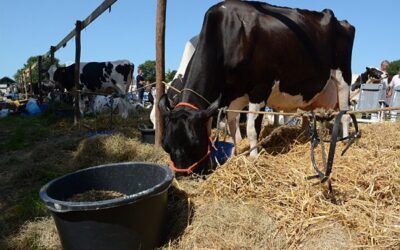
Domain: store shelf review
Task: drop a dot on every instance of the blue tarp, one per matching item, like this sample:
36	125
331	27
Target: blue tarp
32	107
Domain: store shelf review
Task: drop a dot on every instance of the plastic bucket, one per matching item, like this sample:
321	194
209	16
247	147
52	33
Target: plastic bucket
224	151
148	134
130	222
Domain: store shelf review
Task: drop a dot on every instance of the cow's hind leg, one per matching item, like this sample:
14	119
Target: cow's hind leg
251	126
343	99
233	118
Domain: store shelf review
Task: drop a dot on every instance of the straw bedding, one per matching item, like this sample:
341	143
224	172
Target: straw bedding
267	203
38	234
364	212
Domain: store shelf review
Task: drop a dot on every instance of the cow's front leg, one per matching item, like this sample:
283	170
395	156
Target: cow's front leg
251	127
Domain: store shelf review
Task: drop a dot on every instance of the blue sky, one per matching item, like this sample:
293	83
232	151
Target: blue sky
29	28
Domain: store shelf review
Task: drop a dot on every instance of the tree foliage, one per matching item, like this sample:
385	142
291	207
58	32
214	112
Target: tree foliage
170	75
394	67
149	70
46	63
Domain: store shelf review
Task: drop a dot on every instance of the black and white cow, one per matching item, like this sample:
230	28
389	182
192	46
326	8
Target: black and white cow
370	75
256	53
107	77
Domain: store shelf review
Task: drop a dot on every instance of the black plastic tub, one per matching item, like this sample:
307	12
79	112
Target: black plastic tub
148	134
135	221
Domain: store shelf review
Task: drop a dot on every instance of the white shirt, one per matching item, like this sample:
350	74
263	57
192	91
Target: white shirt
395	81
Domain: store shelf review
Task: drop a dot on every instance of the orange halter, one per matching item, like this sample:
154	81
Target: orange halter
189	169
186	104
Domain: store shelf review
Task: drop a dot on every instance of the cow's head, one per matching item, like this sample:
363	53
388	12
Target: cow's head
186	134
375	75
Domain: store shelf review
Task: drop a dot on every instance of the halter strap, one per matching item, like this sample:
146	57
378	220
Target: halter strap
190	169
186	104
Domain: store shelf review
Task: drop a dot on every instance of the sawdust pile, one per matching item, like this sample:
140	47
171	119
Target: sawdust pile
95	195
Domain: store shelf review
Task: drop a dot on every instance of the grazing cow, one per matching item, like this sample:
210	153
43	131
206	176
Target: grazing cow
256	53
106	77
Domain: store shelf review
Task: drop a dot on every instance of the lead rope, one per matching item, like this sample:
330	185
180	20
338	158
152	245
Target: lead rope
315	140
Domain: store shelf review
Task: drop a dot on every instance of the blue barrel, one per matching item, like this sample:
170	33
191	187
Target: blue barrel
223	152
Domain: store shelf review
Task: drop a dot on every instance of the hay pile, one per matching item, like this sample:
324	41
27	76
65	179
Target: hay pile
364	212
104	149
225	224
38	234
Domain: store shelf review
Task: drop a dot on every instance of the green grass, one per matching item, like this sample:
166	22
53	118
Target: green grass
20	132
28	207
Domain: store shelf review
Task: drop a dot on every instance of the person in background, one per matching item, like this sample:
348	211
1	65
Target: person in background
140	84
393	84
384	67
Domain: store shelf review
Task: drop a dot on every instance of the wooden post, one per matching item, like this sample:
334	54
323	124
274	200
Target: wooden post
31	82
78	28
22	79
40	79
160	66
52	51
25	88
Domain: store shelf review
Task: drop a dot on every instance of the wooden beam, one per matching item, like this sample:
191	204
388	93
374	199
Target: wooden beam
160	66
96	13
78	28
52	51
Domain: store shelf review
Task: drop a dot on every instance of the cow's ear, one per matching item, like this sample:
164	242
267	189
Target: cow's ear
164	106
213	108
367	68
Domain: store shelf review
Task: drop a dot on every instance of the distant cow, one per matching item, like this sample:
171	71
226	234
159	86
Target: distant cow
371	75
109	103
256	53
106	77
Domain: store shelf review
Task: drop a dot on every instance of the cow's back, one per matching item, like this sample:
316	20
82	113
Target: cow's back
247	44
